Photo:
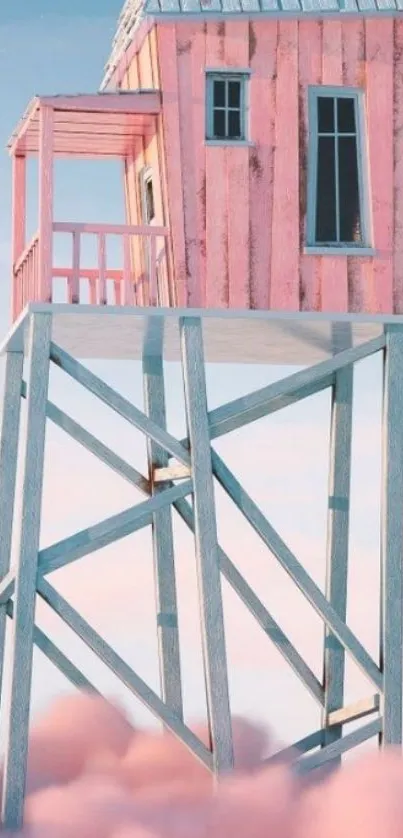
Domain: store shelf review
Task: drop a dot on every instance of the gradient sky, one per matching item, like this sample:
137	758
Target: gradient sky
283	462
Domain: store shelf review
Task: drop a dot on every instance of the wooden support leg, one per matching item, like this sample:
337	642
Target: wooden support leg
392	538
163	544
337	546
16	740
9	436
207	561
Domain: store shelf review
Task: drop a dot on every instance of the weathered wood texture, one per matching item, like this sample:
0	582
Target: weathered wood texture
237	214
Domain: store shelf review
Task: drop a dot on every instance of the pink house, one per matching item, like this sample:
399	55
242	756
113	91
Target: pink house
263	159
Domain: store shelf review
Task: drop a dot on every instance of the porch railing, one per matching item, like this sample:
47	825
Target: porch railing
139	278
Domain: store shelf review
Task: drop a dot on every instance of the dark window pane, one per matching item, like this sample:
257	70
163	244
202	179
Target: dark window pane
219	124
219	94
326	191
149	201
325	115
349	201
345	116
234	94
234	124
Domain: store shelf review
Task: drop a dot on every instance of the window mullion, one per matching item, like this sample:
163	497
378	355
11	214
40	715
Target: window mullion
336	164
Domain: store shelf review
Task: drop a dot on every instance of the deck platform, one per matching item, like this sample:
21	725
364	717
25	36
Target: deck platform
235	336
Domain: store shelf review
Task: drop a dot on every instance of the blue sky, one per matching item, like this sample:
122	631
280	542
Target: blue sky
50	47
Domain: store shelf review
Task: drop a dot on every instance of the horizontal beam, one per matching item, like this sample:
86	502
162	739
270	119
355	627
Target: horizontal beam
340	746
109	229
123	671
308	743
295	570
355	711
287	391
94	445
170	473
118	403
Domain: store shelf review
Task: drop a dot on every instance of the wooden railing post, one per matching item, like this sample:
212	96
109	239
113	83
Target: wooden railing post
45	202
18	226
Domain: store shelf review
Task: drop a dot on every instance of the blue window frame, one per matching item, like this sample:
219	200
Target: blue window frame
338	205
226	106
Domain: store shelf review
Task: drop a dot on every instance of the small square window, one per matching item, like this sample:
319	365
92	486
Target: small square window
337	199
226	107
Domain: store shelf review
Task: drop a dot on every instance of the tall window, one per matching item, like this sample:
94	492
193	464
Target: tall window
337	199
226	106
147	196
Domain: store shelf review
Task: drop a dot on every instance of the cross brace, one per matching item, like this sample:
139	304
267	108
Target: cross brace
165	489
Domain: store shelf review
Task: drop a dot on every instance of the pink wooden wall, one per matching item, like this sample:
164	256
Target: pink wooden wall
237	214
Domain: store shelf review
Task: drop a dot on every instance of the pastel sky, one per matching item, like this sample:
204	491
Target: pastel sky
53	47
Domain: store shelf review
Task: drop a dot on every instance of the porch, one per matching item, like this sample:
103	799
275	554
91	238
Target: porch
128	264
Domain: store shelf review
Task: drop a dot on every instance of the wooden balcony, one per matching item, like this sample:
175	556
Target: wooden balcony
140	278
95	126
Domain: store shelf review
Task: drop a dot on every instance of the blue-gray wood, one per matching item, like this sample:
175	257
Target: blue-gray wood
93	445
340	746
124	672
295	570
338	544
162	532
16	739
118	403
392	537
108	531
259	612
207	561
9	435
57	657
246	409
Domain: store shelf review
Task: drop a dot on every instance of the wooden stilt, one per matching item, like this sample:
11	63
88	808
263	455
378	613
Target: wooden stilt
10	428
392	539
16	741
209	581
163	544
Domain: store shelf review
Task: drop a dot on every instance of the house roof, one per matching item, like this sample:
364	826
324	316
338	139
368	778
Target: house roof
136	11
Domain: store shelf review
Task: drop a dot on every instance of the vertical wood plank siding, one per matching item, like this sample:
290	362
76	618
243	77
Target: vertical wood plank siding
237	214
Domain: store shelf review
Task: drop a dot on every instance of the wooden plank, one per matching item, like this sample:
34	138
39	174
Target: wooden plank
338	543
118	403
45	203
18	220
172	472
184	49
310	73
109	530
355	711
208	573
236	47
295	570
379	101
163	543
166	36
217	277
123	671
398	174
392	538
334	292
74	280
9	436
308	743
198	63
263	35
17	711
57	657
284	286
335	749
359	269
248	408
